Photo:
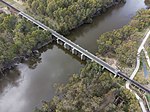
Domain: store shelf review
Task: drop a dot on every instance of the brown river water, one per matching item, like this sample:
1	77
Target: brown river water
24	88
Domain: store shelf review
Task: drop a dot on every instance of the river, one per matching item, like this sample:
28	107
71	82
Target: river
24	88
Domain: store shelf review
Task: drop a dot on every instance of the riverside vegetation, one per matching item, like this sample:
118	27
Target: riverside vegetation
18	37
93	89
65	15
122	44
60	15
89	90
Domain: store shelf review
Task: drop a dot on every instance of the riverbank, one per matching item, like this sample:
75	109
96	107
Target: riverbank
98	12
122	44
55	65
92	90
64	18
19	40
79	85
8	64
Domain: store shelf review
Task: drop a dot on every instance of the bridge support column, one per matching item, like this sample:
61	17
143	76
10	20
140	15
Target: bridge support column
65	46
72	51
103	68
115	75
57	41
82	56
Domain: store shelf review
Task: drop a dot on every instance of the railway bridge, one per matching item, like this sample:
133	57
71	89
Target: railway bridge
74	48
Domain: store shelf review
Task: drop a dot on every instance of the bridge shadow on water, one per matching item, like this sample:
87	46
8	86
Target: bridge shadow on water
77	57
34	60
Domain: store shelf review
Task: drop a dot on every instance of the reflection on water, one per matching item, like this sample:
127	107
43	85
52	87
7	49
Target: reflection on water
115	18
24	88
37	84
11	79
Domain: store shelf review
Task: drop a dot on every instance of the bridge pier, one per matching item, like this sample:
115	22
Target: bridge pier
82	56
38	28
77	50
115	75
20	16
92	60
103	68
72	51
57	41
65	46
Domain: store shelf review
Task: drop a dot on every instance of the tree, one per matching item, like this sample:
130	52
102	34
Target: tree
87	91
9	22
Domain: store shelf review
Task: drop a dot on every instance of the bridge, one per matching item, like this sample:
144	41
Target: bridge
74	48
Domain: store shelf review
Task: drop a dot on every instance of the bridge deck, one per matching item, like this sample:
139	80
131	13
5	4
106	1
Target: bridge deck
84	52
81	50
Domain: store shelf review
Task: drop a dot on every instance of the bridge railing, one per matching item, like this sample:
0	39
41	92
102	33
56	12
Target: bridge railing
84	52
80	49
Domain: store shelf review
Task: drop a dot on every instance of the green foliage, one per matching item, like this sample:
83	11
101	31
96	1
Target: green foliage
9	22
66	14
123	43
18	36
91	91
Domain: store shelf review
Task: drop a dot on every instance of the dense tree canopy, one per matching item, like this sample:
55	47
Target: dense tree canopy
18	36
64	15
123	43
92	91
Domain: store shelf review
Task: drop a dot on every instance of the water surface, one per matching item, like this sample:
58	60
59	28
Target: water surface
24	88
